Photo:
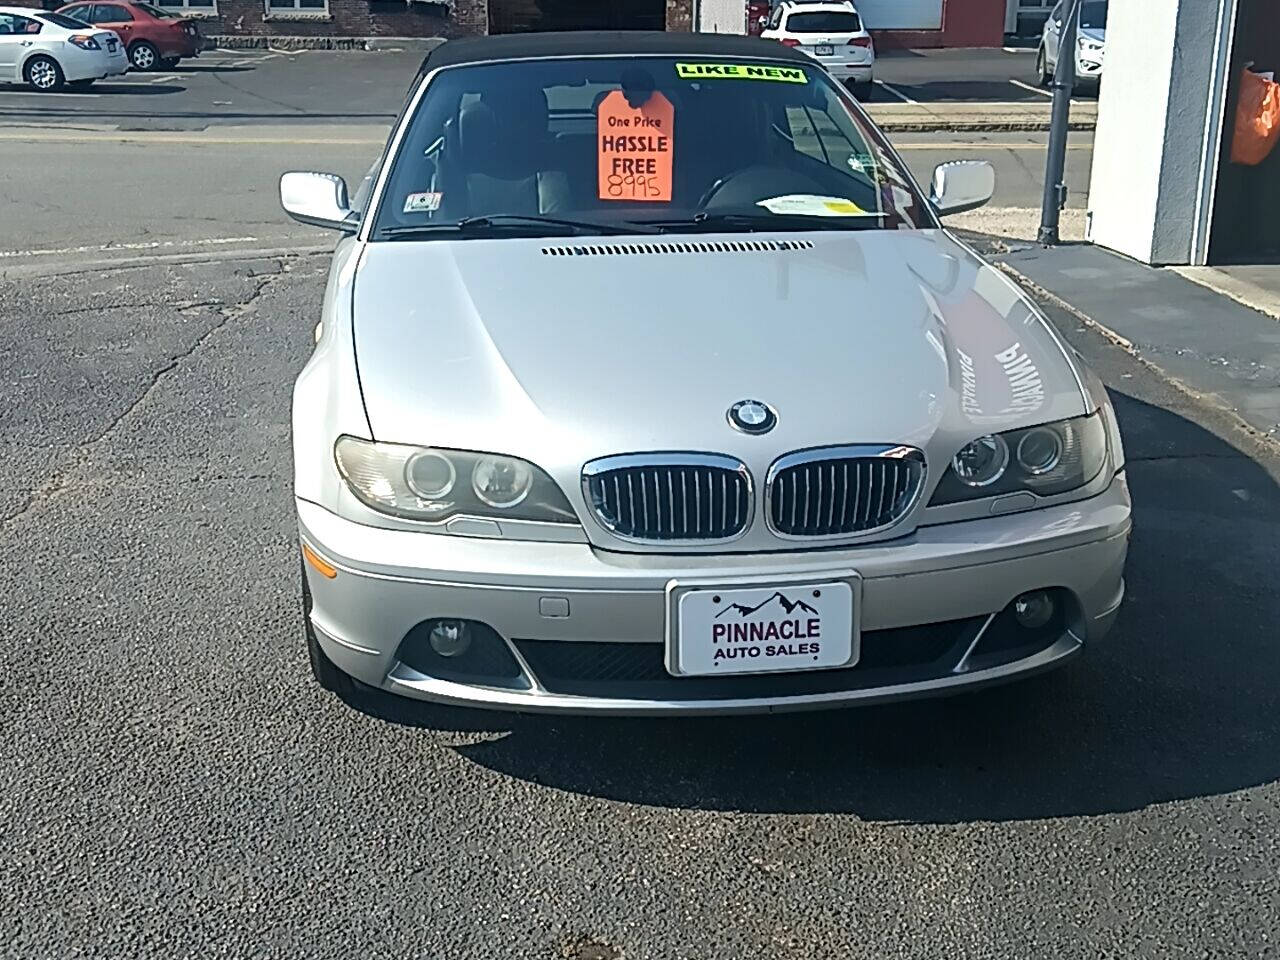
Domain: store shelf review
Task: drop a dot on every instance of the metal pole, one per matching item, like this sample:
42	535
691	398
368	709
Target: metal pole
1064	81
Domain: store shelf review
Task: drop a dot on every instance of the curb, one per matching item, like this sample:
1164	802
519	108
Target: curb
976	126
372	44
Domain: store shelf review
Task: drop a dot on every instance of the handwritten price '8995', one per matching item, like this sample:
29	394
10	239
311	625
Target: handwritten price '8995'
633	187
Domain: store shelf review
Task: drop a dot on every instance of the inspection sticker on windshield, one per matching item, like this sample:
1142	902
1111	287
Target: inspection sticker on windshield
422	202
809	205
635	148
740	71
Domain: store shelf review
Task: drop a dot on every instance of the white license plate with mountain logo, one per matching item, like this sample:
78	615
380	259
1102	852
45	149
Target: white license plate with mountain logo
769	629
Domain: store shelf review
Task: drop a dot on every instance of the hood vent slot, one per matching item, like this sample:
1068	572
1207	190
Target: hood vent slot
674	247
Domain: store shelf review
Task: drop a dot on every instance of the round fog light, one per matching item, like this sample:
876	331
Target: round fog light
1033	610
450	638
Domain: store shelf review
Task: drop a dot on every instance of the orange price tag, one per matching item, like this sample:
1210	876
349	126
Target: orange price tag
635	147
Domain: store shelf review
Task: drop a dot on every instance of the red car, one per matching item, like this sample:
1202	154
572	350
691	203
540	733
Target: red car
153	37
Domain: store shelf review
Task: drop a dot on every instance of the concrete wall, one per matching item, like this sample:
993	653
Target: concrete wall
1159	96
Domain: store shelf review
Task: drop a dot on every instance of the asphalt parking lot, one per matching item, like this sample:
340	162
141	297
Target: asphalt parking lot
174	785
264	86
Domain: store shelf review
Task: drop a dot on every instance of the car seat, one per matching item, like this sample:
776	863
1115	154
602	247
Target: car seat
507	155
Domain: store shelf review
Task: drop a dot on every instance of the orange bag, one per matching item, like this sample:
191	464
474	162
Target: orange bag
1257	119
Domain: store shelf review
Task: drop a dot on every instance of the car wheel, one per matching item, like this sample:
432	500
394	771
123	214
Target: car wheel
1042	68
143	56
43	74
169	62
323	669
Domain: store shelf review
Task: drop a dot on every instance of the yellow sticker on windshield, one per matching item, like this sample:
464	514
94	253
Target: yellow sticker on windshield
740	71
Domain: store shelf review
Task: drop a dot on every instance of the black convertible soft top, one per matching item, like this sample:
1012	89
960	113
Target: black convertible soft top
588	43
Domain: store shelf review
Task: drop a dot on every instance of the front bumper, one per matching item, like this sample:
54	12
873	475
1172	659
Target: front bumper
586	627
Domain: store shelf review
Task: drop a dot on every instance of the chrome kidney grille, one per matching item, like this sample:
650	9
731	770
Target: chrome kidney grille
670	497
843	491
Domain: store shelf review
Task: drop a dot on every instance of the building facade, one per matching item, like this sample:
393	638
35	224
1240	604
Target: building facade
1165	188
895	23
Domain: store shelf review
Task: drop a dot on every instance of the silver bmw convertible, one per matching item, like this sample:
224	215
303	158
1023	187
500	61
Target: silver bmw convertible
649	381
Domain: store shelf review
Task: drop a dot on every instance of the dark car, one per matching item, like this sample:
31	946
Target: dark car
153	37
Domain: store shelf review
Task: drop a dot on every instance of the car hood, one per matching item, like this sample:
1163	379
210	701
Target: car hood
565	350
1096	34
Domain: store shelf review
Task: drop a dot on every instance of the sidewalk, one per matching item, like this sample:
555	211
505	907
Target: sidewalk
976	117
1200	332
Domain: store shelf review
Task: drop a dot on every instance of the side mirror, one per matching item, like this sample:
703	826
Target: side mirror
962	185
318	199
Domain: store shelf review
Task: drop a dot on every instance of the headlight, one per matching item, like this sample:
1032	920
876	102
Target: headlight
1090	46
1049	459
421	483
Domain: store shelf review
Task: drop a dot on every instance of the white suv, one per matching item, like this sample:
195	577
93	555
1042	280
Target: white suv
831	32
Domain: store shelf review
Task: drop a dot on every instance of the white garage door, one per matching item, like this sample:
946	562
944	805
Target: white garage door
901	14
722	16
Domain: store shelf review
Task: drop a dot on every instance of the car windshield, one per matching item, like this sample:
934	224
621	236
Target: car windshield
1093	15
61	20
823	22
156	12
651	143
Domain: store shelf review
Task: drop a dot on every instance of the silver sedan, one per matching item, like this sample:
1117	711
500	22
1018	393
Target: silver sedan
648	381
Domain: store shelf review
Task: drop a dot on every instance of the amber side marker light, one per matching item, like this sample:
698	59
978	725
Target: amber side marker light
324	568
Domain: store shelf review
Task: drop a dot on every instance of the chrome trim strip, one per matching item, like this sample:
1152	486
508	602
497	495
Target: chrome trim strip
891	451
639	461
962	665
534	682
408	682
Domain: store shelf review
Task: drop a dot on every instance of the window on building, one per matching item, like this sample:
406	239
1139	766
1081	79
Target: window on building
297	6
192	6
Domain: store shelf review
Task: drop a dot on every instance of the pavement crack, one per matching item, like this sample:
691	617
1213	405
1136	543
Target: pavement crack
59	481
178	306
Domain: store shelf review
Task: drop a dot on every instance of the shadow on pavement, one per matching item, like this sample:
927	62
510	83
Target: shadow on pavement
1181	700
132	89
185	67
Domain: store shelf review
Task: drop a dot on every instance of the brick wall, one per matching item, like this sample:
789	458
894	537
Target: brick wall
680	15
353	18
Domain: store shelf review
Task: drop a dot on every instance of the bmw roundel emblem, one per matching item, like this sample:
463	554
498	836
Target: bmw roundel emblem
752	416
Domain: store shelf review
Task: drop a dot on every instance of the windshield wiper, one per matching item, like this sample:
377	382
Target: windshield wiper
511	222
752	222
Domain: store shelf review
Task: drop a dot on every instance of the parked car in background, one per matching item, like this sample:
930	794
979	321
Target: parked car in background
45	50
153	37
831	32
1089	42
687	405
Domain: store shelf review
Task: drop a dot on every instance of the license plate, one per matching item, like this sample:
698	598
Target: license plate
111	46
825	50
775	628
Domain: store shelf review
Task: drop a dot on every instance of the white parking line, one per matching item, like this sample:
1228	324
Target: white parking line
150	245
1040	90
1026	86
896	92
165	78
